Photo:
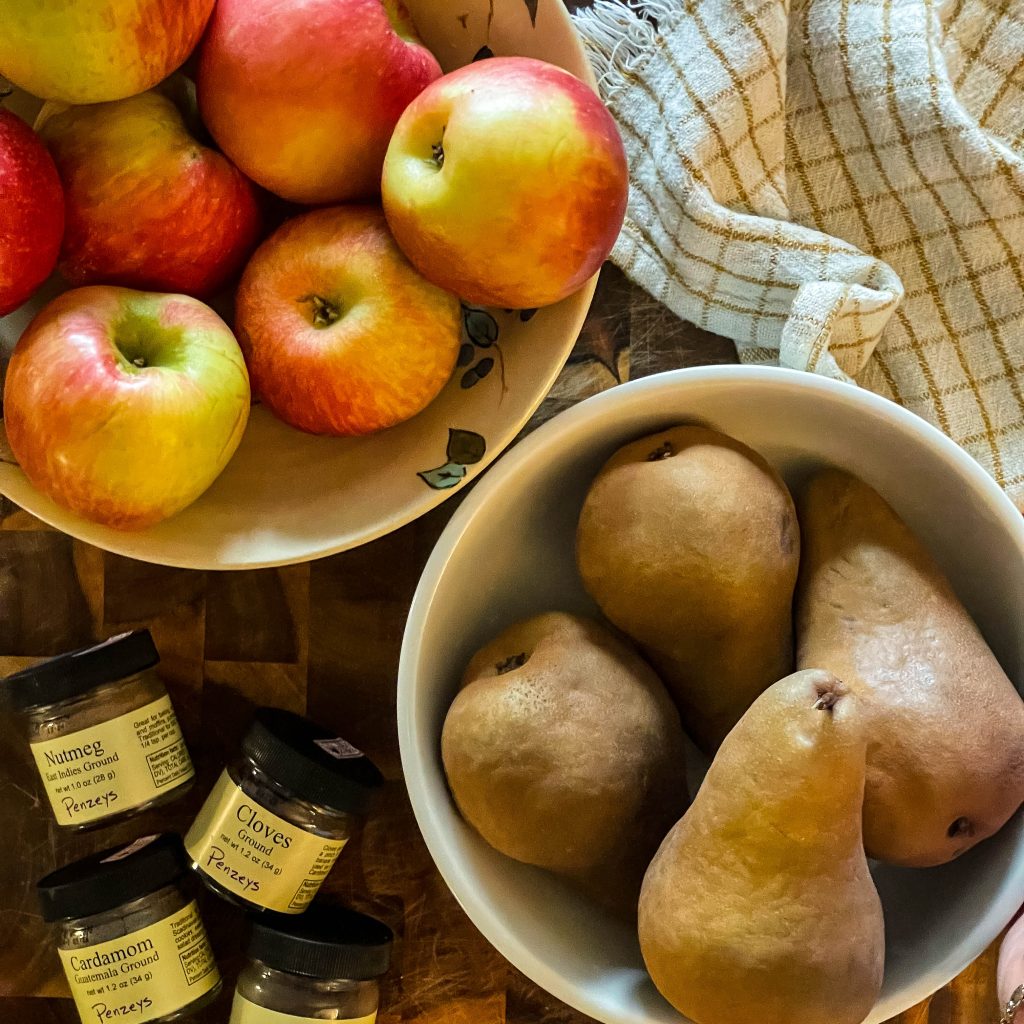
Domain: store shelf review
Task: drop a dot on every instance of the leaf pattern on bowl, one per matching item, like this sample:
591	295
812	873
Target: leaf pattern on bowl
481	331
465	448
476	373
485	51
444	476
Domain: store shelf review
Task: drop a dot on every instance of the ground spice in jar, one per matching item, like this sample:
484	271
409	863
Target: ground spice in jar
321	966
279	815
102	730
129	934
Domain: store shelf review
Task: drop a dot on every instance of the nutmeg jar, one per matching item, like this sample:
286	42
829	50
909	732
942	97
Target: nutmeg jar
102	730
130	937
321	966
279	815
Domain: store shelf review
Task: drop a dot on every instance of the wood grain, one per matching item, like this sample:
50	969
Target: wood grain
322	638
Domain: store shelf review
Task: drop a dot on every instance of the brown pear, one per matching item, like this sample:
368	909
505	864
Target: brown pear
946	759
759	907
564	750
688	541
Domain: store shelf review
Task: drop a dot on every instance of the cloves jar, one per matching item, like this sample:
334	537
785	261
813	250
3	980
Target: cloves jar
102	731
279	815
321	966
130	937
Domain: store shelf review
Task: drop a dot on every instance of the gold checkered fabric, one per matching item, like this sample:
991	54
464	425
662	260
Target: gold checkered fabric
838	186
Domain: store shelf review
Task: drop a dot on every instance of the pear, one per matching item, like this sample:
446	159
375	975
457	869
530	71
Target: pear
946	760
758	907
688	541
563	750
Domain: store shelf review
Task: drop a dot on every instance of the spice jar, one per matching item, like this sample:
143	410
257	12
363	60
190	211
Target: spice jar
279	816
130	937
321	966
102	731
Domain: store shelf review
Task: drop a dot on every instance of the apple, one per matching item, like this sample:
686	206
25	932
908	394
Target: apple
341	334
31	212
506	183
147	205
303	96
124	406
91	51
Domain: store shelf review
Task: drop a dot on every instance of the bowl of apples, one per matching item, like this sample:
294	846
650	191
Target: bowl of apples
306	288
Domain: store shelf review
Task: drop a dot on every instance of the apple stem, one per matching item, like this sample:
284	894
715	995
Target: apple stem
437	149
140	362
324	312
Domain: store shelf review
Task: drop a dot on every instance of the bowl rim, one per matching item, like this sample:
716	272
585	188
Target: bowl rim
575	421
130	544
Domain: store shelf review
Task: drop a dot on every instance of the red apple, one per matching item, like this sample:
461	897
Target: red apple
91	51
506	183
148	206
31	212
124	406
341	335
303	95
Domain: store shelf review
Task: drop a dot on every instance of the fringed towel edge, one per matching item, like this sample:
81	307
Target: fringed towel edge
620	37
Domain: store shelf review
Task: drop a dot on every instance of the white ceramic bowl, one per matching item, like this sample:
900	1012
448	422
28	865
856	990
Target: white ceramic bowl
289	497
508	553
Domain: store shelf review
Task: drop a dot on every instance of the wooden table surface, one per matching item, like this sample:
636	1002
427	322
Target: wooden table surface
321	638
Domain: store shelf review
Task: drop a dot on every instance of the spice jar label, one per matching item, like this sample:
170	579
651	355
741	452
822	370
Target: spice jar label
113	767
245	1012
253	853
149	974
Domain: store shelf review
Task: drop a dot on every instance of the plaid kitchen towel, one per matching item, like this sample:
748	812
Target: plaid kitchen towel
838	186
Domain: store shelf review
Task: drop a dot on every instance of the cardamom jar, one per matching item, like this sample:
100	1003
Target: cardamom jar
275	822
102	731
321	966
130	937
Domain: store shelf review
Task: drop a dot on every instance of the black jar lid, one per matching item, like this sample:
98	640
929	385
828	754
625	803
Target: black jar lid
313	762
113	877
324	942
69	675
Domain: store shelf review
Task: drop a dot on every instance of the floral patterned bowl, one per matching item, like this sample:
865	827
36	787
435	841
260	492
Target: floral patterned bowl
289	497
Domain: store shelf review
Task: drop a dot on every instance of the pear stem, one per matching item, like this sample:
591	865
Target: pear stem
663	451
960	827
512	662
826	702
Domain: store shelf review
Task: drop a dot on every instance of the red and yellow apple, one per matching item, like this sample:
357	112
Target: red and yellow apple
31	212
506	183
341	334
124	406
303	96
91	51
148	206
